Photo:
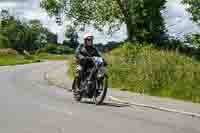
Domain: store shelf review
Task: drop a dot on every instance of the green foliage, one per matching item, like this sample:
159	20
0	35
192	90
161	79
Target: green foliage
64	50
56	49
50	48
194	9
196	39
142	18
14	60
24	36
52	6
71	37
162	73
72	65
41	50
172	44
4	42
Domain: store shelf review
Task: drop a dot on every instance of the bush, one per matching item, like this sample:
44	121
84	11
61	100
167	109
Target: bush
41	50
195	39
55	49
28	56
50	48
4	42
64	50
170	44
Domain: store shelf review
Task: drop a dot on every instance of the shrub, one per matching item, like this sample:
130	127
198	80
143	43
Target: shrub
63	50
4	42
41	50
55	49
50	48
28	56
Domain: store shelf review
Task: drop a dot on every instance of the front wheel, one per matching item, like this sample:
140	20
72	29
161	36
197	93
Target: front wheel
101	91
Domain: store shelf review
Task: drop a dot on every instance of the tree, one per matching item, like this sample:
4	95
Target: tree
38	31
22	36
193	6
72	36
193	39
142	17
4	42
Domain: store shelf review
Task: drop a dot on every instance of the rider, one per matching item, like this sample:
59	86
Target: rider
85	53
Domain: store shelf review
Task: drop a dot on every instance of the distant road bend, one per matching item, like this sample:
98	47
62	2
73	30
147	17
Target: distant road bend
28	104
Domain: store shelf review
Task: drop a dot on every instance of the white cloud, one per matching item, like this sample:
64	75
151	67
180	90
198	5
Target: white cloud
178	19
30	9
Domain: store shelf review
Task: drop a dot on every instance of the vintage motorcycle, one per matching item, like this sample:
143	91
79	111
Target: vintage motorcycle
96	87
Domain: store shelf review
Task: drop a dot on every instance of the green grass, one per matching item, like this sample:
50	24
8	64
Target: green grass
145	69
47	56
20	59
71	63
14	60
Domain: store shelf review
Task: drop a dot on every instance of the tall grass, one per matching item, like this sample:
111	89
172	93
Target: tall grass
145	69
72	64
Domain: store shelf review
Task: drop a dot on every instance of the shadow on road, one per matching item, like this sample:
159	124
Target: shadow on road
108	104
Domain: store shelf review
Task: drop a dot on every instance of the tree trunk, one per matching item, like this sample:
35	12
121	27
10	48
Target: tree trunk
130	30
129	26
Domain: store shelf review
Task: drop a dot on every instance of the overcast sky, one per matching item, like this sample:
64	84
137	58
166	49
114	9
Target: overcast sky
30	9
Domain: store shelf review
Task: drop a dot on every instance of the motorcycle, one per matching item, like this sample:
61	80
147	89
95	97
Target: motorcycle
96	87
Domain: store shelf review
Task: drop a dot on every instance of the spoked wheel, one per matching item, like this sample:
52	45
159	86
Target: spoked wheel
101	91
76	90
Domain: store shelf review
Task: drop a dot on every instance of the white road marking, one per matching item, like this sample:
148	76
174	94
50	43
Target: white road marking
155	107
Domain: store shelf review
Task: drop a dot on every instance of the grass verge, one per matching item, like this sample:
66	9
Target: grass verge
14	60
47	56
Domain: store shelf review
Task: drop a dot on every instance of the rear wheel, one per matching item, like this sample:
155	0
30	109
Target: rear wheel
76	90
101	91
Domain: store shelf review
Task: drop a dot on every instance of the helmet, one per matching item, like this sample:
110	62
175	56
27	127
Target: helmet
87	35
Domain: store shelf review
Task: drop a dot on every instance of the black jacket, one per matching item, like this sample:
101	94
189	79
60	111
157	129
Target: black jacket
84	51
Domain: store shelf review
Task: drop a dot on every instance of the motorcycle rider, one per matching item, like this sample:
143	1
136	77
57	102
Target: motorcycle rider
85	53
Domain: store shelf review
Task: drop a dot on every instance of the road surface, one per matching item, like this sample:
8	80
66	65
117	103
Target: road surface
28	104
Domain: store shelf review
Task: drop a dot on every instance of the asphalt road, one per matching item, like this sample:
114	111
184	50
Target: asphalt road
28	104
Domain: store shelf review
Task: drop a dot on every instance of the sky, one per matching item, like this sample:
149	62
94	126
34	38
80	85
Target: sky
176	18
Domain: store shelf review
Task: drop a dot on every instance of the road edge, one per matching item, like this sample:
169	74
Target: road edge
155	107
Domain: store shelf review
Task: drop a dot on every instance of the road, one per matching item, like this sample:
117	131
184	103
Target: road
28	104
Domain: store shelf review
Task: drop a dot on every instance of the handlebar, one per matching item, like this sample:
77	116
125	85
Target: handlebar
93	59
